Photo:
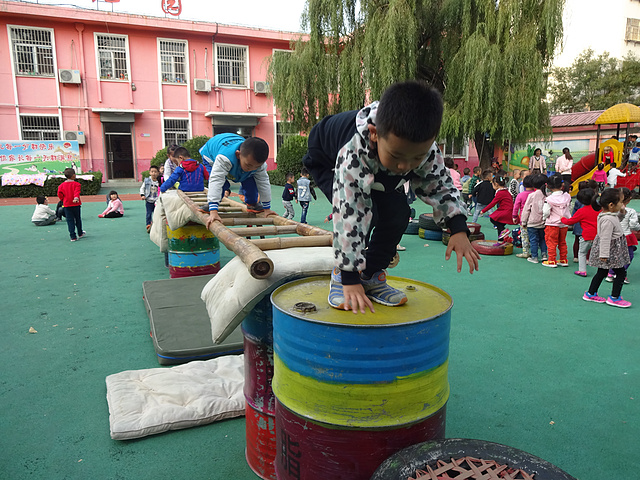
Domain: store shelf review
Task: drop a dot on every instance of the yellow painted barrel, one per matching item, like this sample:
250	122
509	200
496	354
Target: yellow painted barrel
352	389
193	250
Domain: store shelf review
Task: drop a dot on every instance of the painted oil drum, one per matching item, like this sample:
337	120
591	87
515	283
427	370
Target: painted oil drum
307	450
257	329
181	272
261	452
189	264
357	375
193	237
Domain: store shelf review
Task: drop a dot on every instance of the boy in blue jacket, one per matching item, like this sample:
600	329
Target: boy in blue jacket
190	173
361	161
232	158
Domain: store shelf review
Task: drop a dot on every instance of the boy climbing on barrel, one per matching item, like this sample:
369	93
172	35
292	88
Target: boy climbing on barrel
231	157
361	160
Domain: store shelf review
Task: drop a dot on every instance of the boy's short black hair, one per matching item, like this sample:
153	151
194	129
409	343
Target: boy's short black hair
40	199
448	162
256	147
585	196
153	166
304	172
466	171
527	182
539	180
477	169
69	172
289	175
487	174
410	110
181	152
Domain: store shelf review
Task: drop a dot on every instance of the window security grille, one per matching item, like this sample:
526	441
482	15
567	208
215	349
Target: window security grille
283	130
112	54
39	128
232	65
176	131
173	61
633	30
32	51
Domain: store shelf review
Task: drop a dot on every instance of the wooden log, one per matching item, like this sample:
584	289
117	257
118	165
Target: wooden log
291	242
259	264
235	220
264	230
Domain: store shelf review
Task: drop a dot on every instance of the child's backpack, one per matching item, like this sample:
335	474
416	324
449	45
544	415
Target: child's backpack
466	186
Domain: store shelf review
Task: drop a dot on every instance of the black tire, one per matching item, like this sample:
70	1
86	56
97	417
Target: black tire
426	221
473	237
412	228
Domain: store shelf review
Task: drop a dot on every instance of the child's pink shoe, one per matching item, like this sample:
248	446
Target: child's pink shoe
618	302
580	274
588	297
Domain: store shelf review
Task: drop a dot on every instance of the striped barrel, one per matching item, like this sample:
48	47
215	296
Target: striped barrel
257	329
351	389
193	250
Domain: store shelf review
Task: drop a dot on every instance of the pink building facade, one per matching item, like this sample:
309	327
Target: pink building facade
126	85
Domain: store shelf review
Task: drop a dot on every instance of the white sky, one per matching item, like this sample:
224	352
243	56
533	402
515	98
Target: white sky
273	15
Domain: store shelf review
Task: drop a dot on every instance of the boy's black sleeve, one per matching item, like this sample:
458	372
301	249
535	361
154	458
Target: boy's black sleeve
312	191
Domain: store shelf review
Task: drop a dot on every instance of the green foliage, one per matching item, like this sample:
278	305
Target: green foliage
595	83
194	145
491	56
159	158
50	188
289	159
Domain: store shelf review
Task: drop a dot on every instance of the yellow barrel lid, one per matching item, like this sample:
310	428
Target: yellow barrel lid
425	301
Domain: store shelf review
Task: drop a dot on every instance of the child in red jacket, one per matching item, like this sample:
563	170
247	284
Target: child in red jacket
69	193
588	218
503	199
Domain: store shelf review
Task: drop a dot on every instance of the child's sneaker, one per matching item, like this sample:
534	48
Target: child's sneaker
549	263
532	259
74	239
575	260
581	274
588	297
380	292
626	280
609	278
504	234
336	294
545	257
83	234
523	255
618	302
255	208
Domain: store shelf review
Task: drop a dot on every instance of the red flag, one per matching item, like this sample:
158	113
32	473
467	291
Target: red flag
172	7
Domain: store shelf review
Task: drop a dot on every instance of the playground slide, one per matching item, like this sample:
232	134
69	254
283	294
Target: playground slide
585	165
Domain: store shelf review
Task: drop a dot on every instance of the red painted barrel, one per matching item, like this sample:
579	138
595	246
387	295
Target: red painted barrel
182	272
257	329
310	451
261	442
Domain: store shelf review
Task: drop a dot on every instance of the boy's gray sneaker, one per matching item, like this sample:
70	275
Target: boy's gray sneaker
380	292
336	294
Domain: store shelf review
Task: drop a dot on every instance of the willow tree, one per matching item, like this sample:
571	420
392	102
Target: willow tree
490	59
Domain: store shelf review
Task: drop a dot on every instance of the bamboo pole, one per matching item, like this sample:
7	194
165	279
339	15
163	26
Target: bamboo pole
259	264
264	230
246	219
290	242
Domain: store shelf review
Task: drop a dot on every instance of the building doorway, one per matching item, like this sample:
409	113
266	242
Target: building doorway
118	141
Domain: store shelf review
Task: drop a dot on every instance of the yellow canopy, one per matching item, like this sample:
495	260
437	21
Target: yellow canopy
621	113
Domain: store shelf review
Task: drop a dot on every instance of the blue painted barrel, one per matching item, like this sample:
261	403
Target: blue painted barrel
351	389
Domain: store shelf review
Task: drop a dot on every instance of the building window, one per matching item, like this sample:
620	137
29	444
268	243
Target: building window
176	131
232	66
282	132
173	61
112	57
32	51
633	30
454	149
39	128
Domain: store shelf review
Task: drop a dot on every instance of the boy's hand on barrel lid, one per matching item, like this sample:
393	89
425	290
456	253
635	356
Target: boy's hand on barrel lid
459	242
355	299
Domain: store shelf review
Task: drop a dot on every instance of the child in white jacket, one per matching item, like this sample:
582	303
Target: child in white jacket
612	177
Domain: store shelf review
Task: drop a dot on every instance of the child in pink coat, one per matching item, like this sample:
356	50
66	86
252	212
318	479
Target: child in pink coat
503	199
115	208
518	206
556	207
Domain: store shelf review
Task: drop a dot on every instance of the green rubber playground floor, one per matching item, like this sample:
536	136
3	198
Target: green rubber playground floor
531	366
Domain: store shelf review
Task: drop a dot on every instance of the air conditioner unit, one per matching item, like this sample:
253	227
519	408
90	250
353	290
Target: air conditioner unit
69	76
201	85
75	135
261	87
